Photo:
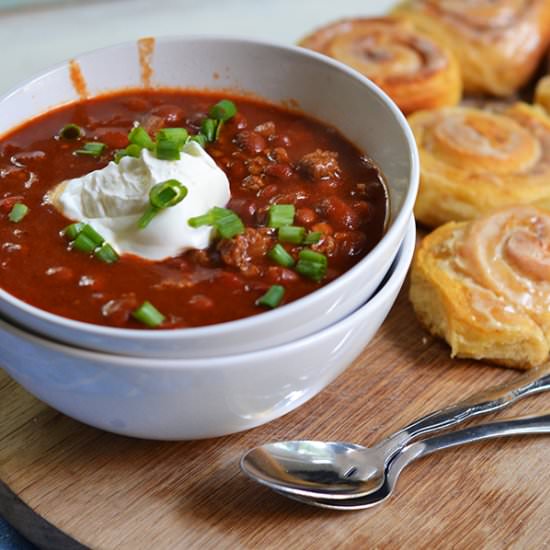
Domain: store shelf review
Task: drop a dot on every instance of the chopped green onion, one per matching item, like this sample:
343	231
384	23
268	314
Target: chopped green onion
148	314
280	256
167	193
106	253
168	149
313	237
132	150
280	215
200	139
223	110
291	234
208	129
92	234
84	244
311	264
18	212
148	216
72	231
179	135
218	129
71	131
226	222
162	195
91	149
139	136
272	298
199	221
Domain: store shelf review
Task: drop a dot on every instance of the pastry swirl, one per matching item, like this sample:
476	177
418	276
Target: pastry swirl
411	68
474	161
484	286
498	43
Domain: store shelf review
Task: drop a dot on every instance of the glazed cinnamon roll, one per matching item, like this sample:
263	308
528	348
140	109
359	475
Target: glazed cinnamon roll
484	286
498	43
411	68
473	161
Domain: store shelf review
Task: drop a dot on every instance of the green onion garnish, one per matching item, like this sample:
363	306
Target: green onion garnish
139	136
84	243
162	195
223	110
200	139
91	149
179	135
313	237
168	149
280	256
106	253
272	298
148	314
71	131
280	215
226	222
89	232
18	212
291	234
311	264
132	150
208	129
72	231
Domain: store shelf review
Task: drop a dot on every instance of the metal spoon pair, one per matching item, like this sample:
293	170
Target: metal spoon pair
348	476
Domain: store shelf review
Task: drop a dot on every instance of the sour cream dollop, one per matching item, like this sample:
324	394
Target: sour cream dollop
113	199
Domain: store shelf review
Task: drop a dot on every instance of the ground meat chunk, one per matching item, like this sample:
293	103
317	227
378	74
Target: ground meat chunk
253	183
244	250
319	165
266	129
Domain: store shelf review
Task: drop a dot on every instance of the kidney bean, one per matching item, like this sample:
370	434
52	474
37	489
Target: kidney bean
350	243
118	311
137	104
239	121
276	274
237	169
305	216
281	171
323	227
172	114
269	191
115	138
280	140
250	141
340	213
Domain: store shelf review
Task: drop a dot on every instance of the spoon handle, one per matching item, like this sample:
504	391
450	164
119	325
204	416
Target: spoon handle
490	400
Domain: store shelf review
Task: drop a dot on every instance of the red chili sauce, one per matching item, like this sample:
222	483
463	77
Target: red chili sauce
271	156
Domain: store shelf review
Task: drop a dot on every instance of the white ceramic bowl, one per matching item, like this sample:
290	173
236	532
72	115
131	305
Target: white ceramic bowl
321	87
195	398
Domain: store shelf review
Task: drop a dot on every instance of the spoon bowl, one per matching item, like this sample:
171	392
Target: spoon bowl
530	425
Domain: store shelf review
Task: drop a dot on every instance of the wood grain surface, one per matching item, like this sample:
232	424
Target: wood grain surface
105	491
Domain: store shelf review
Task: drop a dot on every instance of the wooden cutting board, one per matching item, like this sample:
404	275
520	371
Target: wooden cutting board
66	484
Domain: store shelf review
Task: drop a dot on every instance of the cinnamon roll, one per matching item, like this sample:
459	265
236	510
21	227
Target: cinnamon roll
473	161
484	286
411	68
498	43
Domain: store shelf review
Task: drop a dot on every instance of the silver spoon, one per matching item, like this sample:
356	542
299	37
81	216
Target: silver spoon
510	427
340	470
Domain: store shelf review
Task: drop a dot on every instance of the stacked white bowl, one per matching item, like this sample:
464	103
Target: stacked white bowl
210	381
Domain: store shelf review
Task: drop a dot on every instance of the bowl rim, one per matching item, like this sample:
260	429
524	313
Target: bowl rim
397	275
210	331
